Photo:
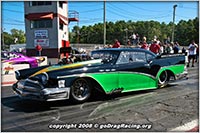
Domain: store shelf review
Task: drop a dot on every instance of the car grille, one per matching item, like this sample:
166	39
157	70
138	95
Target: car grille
32	86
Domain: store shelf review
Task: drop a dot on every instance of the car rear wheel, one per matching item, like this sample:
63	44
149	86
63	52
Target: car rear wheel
80	90
163	79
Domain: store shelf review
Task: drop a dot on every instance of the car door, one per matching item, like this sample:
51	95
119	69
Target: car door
133	71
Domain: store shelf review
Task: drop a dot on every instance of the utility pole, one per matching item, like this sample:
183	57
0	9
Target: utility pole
78	37
104	22
126	37
2	35
174	7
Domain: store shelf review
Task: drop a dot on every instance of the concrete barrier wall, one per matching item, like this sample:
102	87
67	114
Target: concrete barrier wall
8	72
8	69
88	47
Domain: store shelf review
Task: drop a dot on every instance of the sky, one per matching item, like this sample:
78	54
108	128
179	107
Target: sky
91	12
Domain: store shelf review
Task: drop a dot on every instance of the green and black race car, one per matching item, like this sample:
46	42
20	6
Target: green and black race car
114	70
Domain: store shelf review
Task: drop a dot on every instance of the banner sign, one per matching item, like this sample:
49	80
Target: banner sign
42	42
41	34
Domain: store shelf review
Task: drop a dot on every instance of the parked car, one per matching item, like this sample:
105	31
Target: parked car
74	55
18	58
115	70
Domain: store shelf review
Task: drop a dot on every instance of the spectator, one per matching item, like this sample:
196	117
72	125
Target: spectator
176	48
197	54
192	52
128	43
116	44
144	44
155	47
183	50
133	37
137	38
144	39
162	47
38	49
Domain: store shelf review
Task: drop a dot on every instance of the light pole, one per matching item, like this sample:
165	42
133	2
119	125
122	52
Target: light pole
104	21
2	34
174	10
126	38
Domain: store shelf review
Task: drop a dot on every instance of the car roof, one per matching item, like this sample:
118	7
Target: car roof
125	49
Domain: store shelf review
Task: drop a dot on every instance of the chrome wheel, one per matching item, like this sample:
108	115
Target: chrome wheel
80	90
163	79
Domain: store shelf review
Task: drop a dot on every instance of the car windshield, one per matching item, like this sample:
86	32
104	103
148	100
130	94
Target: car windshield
10	55
109	57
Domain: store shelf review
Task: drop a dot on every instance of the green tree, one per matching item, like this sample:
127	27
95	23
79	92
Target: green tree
15	37
185	31
74	36
18	36
6	40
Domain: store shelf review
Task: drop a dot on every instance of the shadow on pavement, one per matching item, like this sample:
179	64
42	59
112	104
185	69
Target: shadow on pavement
23	105
29	106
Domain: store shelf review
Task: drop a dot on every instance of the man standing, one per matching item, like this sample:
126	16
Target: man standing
155	47
116	44
38	49
176	48
192	53
144	43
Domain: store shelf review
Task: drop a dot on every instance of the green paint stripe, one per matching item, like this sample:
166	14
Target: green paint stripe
129	81
176	69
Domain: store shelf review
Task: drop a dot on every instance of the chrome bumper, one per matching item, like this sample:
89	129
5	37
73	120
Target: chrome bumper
179	77
183	75
40	93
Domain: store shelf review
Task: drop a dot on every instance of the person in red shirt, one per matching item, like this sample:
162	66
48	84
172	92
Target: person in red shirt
38	49
116	44
155	47
144	46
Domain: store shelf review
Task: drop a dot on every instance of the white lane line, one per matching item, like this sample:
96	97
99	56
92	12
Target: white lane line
187	126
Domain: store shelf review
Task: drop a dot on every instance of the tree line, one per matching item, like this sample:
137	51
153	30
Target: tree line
184	32
15	37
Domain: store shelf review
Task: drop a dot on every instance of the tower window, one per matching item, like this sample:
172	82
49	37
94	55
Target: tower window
61	26
60	4
43	23
40	3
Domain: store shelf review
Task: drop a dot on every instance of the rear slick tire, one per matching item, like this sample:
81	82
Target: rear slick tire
163	79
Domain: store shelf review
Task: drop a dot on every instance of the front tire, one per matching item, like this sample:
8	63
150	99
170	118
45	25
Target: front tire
80	90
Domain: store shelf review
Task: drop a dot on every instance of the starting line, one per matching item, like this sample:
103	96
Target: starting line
10	83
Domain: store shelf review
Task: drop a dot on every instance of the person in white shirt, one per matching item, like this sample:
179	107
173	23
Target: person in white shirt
192	53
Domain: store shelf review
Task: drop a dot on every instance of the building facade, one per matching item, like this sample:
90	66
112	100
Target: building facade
46	24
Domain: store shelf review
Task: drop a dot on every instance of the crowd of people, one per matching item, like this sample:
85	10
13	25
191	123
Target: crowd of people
158	47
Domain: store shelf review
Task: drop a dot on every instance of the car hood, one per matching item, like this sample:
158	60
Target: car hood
19	59
68	66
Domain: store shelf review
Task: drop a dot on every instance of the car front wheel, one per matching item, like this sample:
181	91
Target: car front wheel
80	90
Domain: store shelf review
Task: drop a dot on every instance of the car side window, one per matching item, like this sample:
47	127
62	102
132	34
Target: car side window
123	58
138	56
150	57
129	57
